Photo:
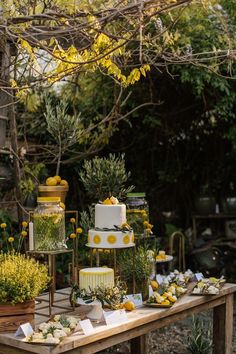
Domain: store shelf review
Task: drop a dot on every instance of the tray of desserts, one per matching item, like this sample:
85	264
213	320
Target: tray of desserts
208	286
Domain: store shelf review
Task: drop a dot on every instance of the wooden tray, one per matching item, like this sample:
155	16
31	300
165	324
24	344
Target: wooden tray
40	343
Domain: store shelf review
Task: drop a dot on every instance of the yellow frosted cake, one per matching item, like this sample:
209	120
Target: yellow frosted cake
89	278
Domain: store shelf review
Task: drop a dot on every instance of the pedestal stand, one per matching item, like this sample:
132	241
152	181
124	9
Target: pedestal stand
51	261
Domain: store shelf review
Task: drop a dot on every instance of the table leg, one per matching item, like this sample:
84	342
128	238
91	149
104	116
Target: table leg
223	327
138	345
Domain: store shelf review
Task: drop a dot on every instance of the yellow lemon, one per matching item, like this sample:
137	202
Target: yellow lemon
107	202
165	302
62	205
129	305
154	284
58	178
64	183
51	181
172	299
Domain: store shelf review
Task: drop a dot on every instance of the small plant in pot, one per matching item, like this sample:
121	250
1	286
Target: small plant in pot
105	177
21	280
64	129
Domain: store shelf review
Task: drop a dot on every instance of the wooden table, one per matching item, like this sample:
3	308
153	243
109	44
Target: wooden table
141	322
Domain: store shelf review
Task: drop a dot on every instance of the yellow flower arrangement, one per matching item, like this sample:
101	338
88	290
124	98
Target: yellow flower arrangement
21	278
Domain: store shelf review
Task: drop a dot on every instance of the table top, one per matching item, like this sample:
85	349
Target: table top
136	318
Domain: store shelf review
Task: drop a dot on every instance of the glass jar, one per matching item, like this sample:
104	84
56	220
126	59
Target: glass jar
137	212
49	225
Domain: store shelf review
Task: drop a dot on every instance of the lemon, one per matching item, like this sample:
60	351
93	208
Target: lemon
154	284
129	305
63	183
58	178
51	181
62	205
165	302
107	202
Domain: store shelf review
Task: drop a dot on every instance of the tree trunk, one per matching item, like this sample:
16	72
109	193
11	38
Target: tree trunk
8	109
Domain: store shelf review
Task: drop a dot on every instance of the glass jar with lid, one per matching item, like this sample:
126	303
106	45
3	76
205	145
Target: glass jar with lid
137	212
49	225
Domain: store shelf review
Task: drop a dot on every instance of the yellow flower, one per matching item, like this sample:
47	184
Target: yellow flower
24	224
97	239
23	233
3	225
126	239
10	239
72	220
72	235
79	230
111	239
148	231
145	223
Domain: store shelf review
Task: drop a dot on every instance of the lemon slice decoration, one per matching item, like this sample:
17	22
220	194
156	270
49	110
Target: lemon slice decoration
97	239
111	239
132	237
126	239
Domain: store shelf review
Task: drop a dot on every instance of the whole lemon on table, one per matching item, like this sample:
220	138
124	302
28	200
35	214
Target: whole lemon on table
129	305
63	183
154	284
58	178
51	181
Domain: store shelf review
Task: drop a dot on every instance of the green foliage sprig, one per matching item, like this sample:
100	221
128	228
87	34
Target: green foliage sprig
200	341
105	177
108	296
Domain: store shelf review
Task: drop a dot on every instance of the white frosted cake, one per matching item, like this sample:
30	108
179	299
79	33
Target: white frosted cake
89	278
111	230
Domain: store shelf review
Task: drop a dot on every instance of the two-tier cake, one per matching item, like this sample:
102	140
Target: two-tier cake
111	229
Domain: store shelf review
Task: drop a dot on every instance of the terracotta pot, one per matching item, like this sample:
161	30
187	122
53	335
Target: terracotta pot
53	191
12	316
